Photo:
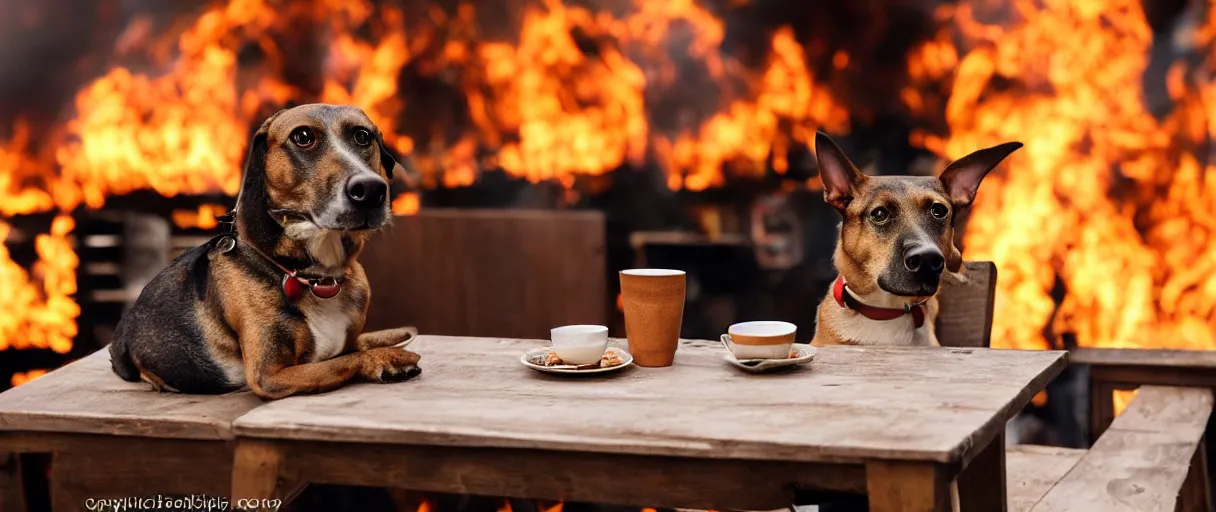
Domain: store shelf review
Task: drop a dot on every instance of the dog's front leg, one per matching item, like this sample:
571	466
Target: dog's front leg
272	371
385	338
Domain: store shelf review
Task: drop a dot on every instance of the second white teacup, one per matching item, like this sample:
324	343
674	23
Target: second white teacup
579	344
760	340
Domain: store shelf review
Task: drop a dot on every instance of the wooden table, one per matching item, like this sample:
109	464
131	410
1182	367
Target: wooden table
109	438
897	424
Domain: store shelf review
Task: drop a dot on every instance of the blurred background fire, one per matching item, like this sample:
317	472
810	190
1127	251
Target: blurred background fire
682	116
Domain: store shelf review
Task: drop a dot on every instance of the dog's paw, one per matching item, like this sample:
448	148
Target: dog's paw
390	364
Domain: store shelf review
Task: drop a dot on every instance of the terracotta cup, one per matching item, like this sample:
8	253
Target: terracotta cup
654	309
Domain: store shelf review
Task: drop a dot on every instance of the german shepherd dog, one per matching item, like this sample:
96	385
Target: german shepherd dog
896	241
278	304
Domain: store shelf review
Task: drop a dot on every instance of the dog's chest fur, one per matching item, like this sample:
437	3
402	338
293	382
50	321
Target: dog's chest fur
329	322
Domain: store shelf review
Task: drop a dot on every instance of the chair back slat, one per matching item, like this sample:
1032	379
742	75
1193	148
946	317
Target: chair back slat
965	317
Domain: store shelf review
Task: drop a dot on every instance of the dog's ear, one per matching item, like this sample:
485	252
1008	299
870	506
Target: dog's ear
386	158
840	177
255	158
962	177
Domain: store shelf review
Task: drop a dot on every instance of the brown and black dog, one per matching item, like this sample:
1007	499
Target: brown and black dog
277	305
896	240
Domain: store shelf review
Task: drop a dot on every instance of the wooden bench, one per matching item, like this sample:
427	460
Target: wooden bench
1032	470
1112	369
109	438
1151	458
1145	460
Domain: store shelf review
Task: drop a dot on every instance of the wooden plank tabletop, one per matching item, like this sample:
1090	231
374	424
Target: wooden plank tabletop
86	397
849	405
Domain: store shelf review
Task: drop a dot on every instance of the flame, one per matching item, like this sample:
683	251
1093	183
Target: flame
17	170
1104	196
20	378
580	91
573	114
406	204
1122	398
425	506
203	218
42	296
748	132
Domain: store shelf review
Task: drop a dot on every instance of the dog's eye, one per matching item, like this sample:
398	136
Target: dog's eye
303	137
363	137
939	210
879	215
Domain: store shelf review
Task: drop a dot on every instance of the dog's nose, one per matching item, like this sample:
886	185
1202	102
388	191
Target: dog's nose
366	190
924	257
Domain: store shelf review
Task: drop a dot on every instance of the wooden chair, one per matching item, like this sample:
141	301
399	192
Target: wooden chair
965	321
1151	457
508	273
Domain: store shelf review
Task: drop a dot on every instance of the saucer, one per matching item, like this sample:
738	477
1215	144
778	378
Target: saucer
534	359
806	354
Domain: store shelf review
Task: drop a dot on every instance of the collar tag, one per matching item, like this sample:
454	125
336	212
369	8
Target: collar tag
225	244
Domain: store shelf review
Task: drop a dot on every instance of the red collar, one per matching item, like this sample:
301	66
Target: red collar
848	301
294	284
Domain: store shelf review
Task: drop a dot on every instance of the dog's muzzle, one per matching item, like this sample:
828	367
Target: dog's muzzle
924	260
366	191
915	273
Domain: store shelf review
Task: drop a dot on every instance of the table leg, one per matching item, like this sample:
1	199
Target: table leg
255	474
1194	495
907	487
1101	407
981	486
12	485
68	471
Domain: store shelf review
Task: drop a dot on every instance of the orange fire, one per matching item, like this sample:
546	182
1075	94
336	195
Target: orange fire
1122	398
203	218
541	106
406	204
1108	198
426	506
42	296
1105	197
20	378
747	132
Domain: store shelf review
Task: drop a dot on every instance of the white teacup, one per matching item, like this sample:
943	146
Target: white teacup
760	340
579	344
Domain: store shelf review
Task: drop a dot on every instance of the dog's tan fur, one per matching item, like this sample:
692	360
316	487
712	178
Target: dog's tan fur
870	252
218	320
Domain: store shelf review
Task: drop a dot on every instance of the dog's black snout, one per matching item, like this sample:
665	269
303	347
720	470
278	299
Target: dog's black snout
924	258
366	190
